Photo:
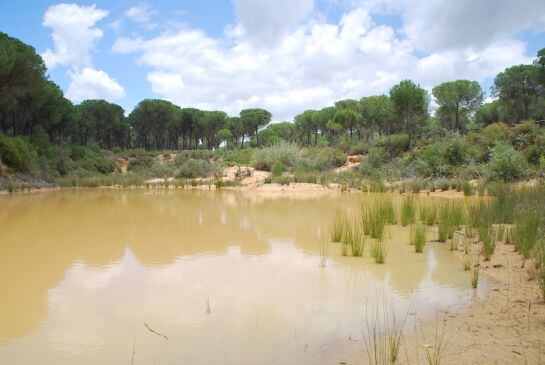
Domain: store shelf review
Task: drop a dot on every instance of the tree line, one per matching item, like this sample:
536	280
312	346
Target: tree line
30	100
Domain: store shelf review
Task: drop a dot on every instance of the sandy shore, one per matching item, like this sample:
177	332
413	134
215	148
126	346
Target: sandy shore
506	327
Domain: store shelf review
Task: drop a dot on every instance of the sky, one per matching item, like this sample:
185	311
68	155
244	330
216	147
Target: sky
282	55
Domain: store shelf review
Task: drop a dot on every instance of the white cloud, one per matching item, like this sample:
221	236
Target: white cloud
139	13
93	84
437	25
266	21
74	34
313	64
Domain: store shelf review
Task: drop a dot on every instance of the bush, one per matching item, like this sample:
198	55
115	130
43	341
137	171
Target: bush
321	158
287	153
15	153
238	157
505	164
90	159
196	168
278	168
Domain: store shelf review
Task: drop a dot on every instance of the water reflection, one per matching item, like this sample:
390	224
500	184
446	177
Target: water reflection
81	271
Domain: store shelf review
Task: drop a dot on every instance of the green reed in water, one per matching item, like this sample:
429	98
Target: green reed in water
487	240
475	276
375	216
408	211
451	218
337	226
419	238
324	251
379	251
428	213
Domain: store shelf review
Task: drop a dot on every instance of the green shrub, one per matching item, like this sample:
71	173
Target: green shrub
192	169
15	153
278	168
506	164
287	153
238	157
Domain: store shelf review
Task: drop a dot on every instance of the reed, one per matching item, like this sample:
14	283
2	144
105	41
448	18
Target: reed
375	217
466	188
382	335
419	238
500	233
467	262
428	213
408	212
487	240
540	264
324	252
466	246
337	226
435	352
475	276
451	217
525	232
379	251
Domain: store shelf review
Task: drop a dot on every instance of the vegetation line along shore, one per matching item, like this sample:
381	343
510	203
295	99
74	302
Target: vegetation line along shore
45	140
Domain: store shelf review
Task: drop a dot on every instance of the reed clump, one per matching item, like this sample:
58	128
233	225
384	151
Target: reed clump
353	239
376	216
451	218
379	251
382	335
475	275
338	223
428	213
487	241
526	231
419	238
408	212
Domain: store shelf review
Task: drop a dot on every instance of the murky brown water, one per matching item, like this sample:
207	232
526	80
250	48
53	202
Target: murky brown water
82	272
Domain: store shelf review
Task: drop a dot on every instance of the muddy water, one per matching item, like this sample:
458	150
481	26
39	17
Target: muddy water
93	277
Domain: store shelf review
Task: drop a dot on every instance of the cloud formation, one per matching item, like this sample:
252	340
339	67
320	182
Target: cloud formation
93	84
75	36
311	64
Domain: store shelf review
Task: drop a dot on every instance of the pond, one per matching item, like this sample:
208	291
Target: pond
200	277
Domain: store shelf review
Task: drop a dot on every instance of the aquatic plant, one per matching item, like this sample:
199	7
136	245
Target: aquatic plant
466	246
487	240
375	217
467	262
475	276
324	252
379	251
419	238
428	213
337	226
382	335
451	218
525	232
407	212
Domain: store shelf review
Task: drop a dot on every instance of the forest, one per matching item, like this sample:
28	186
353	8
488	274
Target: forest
450	132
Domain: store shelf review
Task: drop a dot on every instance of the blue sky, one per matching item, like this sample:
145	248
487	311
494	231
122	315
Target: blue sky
284	55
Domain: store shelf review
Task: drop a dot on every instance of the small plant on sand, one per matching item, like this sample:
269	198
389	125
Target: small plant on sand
500	233
540	264
436	351
337	226
419	238
407	212
379	251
